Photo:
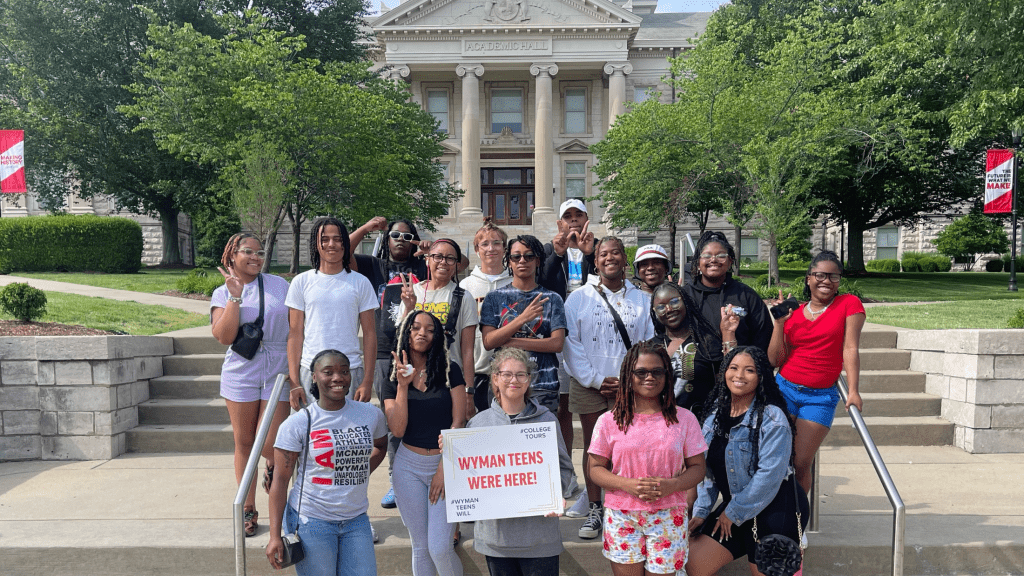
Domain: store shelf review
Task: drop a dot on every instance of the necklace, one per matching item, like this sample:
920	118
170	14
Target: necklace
819	312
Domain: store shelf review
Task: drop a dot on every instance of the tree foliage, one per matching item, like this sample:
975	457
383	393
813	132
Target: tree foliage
971	235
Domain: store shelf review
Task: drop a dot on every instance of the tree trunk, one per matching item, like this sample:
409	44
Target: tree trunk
296	221
739	243
269	247
773	262
169	234
672	247
855	247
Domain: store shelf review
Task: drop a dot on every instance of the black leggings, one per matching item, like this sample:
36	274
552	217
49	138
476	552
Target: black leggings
777	518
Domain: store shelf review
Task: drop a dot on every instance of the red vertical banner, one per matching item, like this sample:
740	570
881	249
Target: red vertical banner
12	162
999	182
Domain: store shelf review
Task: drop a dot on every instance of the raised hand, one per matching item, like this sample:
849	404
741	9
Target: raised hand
234	283
534	310
730	321
408	294
586	239
377	223
561	240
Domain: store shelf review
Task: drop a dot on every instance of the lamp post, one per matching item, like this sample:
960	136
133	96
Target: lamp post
1013	247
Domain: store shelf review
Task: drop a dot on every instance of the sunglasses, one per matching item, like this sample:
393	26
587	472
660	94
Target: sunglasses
642	373
529	257
396	235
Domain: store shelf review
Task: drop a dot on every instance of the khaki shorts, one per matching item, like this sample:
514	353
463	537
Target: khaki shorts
583	400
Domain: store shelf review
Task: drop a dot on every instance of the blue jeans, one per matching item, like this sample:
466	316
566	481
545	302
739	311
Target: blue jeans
334	548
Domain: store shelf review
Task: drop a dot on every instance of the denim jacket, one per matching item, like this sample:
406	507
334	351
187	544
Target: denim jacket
750	493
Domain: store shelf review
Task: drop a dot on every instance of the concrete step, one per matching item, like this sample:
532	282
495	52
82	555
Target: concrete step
161	412
883	404
893	431
185	345
884	359
891	381
868	339
202	438
207	386
194	364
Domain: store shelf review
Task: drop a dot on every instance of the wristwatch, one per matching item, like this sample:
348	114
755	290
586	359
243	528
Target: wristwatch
236	299
470	389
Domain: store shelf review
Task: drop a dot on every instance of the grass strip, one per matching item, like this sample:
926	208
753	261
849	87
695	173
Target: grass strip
129	317
973	314
915	286
148	280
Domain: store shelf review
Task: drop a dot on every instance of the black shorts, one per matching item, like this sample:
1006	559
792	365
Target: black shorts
777	518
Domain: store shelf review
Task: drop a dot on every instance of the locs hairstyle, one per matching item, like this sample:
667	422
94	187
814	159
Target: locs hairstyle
823	256
231	247
767	392
323	354
437	355
532	244
314	241
386	250
624	401
706	238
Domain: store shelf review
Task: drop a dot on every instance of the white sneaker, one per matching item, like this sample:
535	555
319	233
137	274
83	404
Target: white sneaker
581	507
374	532
592	526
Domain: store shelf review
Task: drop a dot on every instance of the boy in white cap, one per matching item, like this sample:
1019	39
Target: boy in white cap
650	267
569	257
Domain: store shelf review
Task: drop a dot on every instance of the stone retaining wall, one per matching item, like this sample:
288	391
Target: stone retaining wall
980	376
74	397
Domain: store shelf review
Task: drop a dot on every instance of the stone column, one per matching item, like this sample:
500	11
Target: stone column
398	72
544	149
616	72
470	139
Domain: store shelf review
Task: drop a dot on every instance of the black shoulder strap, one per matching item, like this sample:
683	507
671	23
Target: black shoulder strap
615	316
259	319
453	314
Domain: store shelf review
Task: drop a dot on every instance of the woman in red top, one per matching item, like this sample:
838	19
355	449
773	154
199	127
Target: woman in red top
812	346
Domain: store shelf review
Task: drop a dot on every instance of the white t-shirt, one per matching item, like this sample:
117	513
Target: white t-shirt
438	303
337	466
332	304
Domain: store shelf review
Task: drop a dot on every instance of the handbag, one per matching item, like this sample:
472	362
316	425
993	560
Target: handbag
293	551
776	554
618	321
250	334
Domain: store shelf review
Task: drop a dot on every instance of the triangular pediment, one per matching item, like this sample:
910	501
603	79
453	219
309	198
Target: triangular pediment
431	14
573	146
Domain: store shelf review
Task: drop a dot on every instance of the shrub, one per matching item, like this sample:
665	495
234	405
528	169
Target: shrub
199	282
911	261
850	287
928	265
762	281
884	265
23	301
1019	263
66	243
972	235
630	255
942	263
1017	320
994	266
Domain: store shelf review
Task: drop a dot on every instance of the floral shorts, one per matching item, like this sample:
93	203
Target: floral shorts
659	539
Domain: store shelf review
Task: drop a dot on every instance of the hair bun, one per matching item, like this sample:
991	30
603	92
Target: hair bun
488	219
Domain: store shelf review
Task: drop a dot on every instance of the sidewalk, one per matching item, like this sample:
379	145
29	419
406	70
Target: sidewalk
197	306
170	514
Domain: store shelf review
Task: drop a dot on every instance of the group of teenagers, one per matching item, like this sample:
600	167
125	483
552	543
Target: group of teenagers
694	448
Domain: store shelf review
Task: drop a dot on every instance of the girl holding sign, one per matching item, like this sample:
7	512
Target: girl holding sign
530	545
426	394
646	453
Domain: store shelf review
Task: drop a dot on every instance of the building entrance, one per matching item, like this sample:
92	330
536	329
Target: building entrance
507	195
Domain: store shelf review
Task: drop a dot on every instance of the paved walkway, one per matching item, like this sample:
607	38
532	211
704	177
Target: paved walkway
198	306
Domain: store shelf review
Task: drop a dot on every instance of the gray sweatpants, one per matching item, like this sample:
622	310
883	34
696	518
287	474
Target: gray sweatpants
429	530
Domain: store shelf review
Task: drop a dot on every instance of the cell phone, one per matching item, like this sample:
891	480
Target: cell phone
785	307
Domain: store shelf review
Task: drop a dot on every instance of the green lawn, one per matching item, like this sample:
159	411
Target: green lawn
129	317
150	280
919	286
971	314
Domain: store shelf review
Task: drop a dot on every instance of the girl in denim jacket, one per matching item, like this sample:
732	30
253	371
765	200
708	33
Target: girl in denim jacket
751	443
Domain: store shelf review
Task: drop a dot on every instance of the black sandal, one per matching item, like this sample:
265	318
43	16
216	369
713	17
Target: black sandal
268	478
251	517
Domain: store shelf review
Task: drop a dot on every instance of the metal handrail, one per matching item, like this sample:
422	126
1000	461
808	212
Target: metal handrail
249	476
899	511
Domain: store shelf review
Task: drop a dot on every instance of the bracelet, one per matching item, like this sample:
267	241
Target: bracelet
728	345
235	299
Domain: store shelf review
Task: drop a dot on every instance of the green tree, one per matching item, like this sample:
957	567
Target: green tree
971	235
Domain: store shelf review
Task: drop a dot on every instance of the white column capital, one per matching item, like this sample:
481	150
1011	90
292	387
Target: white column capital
548	68
476	70
397	72
618	68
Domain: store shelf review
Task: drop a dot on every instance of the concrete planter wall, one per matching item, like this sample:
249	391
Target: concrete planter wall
73	397
980	376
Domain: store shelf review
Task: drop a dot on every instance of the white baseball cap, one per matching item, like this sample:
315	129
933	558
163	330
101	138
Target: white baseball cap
650	251
572	203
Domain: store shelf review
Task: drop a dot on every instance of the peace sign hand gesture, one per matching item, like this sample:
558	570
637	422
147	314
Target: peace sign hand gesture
408	294
534	310
586	239
233	283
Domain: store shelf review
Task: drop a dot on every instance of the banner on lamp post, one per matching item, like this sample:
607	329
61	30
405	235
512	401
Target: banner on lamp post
12	162
999	168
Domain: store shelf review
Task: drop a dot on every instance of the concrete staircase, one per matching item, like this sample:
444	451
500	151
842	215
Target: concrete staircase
897	410
185	412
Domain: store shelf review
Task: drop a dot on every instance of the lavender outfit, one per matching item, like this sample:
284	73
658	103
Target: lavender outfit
244	380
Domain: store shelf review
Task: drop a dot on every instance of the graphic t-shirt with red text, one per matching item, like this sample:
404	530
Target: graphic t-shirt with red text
337	467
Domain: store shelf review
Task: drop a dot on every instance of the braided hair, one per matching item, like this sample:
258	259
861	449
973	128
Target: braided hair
386	249
823	256
532	244
624	401
329	353
232	246
437	355
314	241
704	335
710	237
767	393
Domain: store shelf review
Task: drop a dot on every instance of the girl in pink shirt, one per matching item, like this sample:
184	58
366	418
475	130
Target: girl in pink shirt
646	453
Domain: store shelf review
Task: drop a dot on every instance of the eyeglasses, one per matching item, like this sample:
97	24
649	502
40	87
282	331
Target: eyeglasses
438	258
642	373
396	235
249	252
521	377
529	257
673	304
492	244
819	276
709	256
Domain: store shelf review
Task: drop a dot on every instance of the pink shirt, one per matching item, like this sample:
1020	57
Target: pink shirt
650	447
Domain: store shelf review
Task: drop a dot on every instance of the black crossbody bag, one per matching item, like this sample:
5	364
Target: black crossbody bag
293	551
618	321
250	334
